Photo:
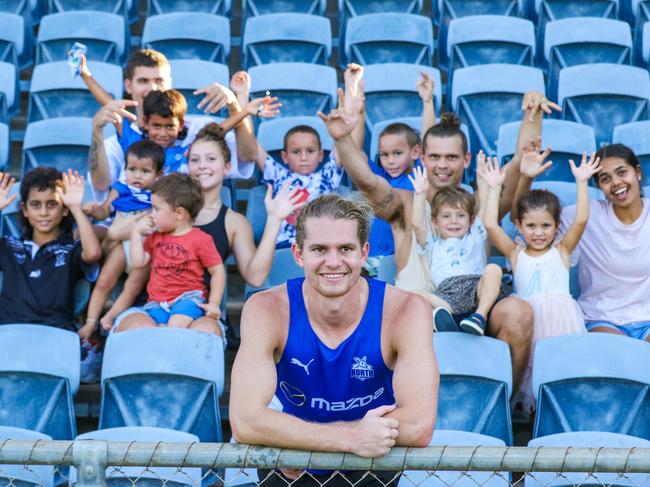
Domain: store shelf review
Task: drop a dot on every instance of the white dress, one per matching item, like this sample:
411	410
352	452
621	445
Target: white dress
543	281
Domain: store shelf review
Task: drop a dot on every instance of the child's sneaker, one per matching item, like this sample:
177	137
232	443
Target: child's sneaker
91	362
443	320
474	324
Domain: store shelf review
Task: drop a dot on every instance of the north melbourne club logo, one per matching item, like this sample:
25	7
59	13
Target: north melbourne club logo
361	369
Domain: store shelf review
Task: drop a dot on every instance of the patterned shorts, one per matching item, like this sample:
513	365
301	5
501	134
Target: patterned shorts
460	292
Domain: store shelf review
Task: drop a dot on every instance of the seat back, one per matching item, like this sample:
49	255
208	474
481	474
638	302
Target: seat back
4	146
387	270
192	74
577	390
475	384
287	37
188	35
271	134
16	40
216	7
635	136
169	378
54	93
284	267
263	7
603	96
42	475
118	7
9	90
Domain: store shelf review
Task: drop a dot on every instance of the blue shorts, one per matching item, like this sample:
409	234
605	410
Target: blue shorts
639	330
186	304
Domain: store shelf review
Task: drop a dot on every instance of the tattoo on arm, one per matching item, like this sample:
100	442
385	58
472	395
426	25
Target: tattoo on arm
390	207
93	155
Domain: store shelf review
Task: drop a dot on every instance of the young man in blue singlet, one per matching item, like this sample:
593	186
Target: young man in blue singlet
348	361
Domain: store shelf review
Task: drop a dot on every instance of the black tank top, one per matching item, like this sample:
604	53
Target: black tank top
217	230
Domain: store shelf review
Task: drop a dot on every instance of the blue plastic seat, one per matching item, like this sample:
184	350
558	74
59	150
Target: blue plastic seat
485	97
188	35
5	141
387	270
573	41
104	34
284	267
9	91
168	378
635	136
19	7
642	43
567	139
391	91
592	382
270	135
62	143
39	374
389	38
286	37
170	476
256	211
586	439
443	478
216	7
54	93
475	384
603	96
42	475
192	74
303	89
263	7
119	7
16	40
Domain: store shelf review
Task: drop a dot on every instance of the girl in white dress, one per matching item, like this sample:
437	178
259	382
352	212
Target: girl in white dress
541	267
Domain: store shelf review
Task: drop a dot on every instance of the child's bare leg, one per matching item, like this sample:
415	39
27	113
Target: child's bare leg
179	321
135	321
133	286
206	325
435	301
489	288
111	272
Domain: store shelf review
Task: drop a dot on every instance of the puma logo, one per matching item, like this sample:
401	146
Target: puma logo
297	362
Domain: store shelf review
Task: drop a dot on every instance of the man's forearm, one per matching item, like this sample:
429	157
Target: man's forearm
98	162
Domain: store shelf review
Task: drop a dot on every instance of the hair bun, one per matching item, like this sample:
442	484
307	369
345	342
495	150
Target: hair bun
449	120
211	130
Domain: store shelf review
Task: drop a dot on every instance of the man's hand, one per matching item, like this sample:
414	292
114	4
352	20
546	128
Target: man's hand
72	193
375	434
216	97
114	112
534	101
425	87
339	122
266	107
6	183
240	84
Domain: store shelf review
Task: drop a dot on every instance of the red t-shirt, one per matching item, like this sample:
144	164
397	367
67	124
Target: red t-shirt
178	263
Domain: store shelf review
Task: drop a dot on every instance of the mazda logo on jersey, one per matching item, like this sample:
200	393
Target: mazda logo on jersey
294	395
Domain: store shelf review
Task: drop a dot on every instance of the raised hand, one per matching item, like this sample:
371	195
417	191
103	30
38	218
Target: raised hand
489	171
266	107
339	122
72	193
532	161
534	101
425	87
216	97
419	180
6	183
240	84
586	169
352	77
285	203
114	112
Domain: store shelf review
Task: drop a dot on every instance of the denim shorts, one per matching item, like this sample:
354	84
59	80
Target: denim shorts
639	329
186	304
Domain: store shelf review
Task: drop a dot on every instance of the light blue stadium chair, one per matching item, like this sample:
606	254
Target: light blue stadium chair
303	89
489	39
387	271
271	134
39	374
9	91
389	38
475	384
603	96
256	211
586	439
263	7
573	41
5	141
54	93
192	74
485	97
567	139
592	382
9	224
216	7
166	377
16	40
151	476
287	37
188	35
104	34
18	475
284	267
19	7
635	136
642	43
58	142
441	478
391	91
119	7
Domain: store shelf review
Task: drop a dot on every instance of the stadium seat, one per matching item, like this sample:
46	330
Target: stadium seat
256	211
39	374
603	96
391	91
118	7
573	41
215	7
592	382
188	35
389	38
54	93
271	134
5	141
19	7
642	43
489	39
192	74
263	7
16	40
309	88
9	91
475	384
119	476
441	478
286	37
166	377
41	475
58	142
104	34
568	140
587	439
485	97
635	136
387	271
284	267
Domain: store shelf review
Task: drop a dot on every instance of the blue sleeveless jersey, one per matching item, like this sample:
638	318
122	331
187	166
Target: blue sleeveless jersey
318	384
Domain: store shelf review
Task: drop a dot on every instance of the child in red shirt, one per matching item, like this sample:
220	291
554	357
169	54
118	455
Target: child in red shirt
179	255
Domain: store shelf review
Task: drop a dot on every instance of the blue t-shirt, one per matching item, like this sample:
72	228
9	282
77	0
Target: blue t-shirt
130	198
175	159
